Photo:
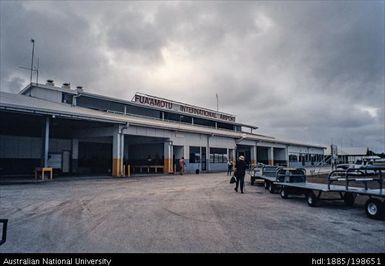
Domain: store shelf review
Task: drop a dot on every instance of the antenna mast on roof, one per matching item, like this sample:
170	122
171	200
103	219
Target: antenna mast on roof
216	95
33	51
37	71
33	68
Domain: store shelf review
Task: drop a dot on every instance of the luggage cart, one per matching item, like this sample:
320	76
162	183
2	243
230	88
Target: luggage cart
273	175
262	171
374	206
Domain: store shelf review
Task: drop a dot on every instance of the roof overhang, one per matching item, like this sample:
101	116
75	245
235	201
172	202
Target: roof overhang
24	104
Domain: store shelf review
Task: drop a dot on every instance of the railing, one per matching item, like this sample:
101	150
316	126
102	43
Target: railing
319	165
291	175
363	174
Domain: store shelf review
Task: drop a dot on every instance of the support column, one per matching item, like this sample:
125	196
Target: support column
270	156
287	156
45	143
208	168
186	155
253	153
168	155
186	152
233	154
116	154
121	171
75	155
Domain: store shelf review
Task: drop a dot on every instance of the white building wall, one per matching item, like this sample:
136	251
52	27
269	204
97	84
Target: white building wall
49	95
147	132
316	150
297	149
221	142
188	139
246	142
270	144
302	149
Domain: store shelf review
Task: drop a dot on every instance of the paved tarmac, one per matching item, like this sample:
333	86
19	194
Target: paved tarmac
190	213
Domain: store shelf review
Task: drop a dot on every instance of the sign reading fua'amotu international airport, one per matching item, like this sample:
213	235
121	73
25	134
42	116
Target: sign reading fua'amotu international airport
180	107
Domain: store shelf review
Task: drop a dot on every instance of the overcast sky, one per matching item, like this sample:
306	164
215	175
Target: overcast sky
306	71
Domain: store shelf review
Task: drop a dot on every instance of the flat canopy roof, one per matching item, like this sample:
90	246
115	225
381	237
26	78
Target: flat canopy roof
26	104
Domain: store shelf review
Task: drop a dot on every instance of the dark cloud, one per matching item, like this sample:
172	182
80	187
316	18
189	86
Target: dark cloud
130	32
307	71
65	46
13	84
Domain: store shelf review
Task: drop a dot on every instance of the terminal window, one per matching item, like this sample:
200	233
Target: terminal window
195	156
218	155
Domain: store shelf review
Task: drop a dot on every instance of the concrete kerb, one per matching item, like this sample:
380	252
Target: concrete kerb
32	181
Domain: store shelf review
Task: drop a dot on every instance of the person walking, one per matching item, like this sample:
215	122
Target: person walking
240	171
181	165
229	167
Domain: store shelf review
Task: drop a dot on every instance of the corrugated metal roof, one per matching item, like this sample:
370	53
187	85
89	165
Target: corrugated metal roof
26	104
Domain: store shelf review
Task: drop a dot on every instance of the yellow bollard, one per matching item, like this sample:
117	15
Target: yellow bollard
128	170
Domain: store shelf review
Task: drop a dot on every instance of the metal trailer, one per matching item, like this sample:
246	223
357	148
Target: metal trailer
272	176
374	206
262	171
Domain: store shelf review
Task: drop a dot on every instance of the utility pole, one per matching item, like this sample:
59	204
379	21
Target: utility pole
33	51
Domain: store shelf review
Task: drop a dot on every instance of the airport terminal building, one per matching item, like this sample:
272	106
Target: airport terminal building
81	133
